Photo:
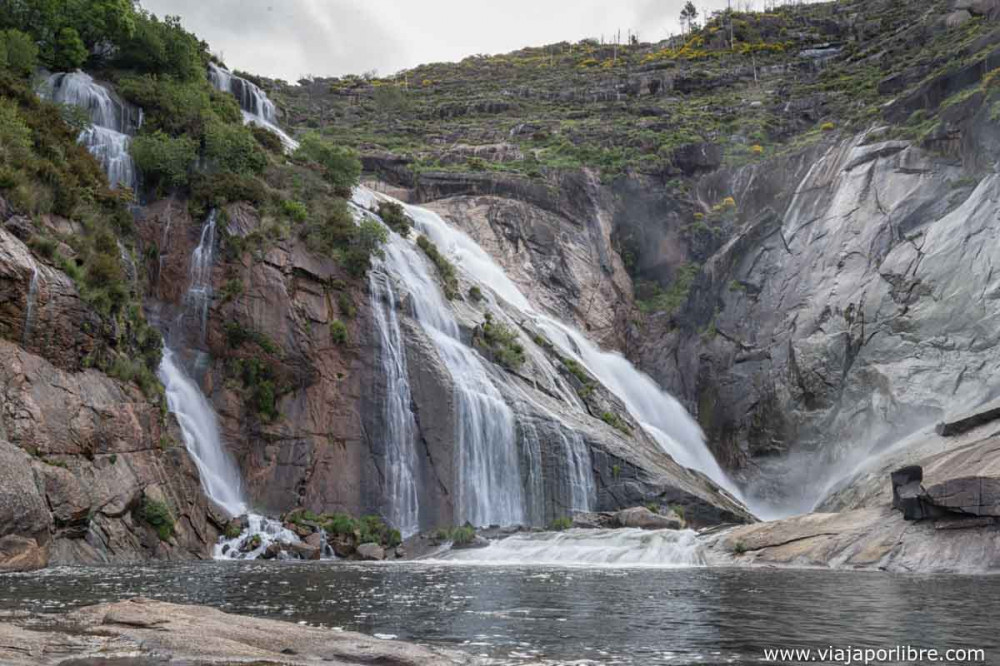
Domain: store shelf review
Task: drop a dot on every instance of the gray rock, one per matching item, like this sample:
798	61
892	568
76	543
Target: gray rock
371	551
645	519
156	632
478	541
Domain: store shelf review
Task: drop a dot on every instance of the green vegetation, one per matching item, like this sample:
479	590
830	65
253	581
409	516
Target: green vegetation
164	160
232	531
338	332
341	166
739	548
500	343
346	305
586	387
367	529
158	516
616	422
445	268
475	293
560	524
462	536
395	217
651	297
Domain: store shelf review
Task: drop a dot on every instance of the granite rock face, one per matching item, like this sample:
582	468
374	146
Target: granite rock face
81	452
143	631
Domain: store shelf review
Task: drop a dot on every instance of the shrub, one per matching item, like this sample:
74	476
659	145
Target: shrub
68	52
475	293
161	47
18	53
616	422
164	161
15	135
296	210
233	531
338	332
445	268
217	190
233	148
172	106
561	524
268	140
341	166
502	343
739	548
828	126
158	516
395	217
346	305
463	535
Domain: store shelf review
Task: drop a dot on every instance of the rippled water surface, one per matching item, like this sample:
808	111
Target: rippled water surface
523	614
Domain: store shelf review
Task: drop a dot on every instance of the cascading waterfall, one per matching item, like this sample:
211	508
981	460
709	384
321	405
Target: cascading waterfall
29	306
200	429
486	438
582	489
257	108
399	427
660	414
113	122
600	548
220	476
199	293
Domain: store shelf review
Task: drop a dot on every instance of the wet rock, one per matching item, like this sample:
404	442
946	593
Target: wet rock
156	632
964	422
644	519
304	551
371	551
477	541
272	551
343	546
694	158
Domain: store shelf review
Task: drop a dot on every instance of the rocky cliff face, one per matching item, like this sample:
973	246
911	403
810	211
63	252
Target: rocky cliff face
83	454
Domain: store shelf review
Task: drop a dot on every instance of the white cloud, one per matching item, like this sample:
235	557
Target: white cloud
291	38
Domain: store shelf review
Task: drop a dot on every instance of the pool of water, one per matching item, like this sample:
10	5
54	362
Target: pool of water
544	614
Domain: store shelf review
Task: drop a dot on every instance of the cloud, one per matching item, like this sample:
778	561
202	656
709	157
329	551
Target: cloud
291	38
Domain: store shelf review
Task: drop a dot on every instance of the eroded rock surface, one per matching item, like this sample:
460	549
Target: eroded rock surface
143	631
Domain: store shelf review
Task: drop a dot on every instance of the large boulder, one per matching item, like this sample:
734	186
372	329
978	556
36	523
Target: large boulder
644	519
371	551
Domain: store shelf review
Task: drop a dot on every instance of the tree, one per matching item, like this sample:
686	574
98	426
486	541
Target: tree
688	15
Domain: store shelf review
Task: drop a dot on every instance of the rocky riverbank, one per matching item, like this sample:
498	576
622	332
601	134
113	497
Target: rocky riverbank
143	632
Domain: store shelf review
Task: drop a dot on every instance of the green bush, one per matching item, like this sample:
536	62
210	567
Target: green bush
616	422
18	53
502	343
338	332
233	148
68	52
561	524
163	160
445	268
296	210
162	48
463	535
475	293
341	166
346	305
172	106
395	217
268	140
158	516
216	190
15	135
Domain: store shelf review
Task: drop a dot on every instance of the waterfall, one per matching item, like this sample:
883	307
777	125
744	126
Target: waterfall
607	548
660	414
113	122
220	476
399	427
582	489
29	306
257	108
200	429
488	489
199	294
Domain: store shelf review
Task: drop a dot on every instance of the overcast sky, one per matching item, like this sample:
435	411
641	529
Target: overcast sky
292	38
